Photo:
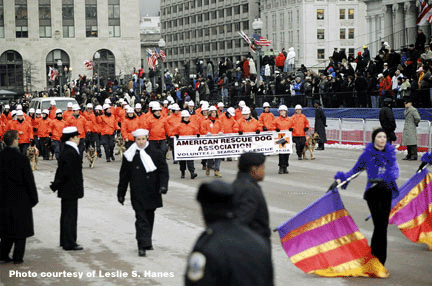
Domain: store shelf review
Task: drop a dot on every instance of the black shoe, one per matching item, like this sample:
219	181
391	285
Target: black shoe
99	155
175	162
141	252
112	157
406	158
149	248
300	158
193	175
280	170
204	168
18	261
412	159
108	160
182	174
75	248
285	170
320	148
6	260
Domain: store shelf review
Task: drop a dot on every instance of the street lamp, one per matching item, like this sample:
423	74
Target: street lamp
257	26
97	57
161	44
59	65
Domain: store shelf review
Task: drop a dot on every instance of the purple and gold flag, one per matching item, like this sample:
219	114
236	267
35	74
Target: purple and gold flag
412	209
324	240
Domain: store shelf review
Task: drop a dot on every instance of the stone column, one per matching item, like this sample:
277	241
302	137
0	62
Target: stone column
387	25
398	26
410	23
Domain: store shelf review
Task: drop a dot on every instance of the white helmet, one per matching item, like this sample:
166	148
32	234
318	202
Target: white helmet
45	111
7	106
185	113
266	104
107	101
298	106
20	113
52	102
231	111
242	103
156	106
246	110
212	108
175	106
59	111
98	107
130	110
18	107
89	105
75	107
204	107
38	111
106	106
220	104
283	107
138	105
69	104
13	113
32	110
191	103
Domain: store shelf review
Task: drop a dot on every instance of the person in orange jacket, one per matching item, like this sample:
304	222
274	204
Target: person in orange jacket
191	108
173	120
90	137
81	124
52	109
35	125
97	127
238	112
129	124
121	111
228	122
186	128
138	110
68	112
200	116
220	108
247	123
6	115
56	127
212	126
108	127
266	118
43	132
164	111
24	129
300	126
283	122
158	128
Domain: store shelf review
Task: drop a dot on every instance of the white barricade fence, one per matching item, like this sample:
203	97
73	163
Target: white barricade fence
231	145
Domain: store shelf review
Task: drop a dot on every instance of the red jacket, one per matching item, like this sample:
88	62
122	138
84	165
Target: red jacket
108	124
44	128
185	129
173	120
283	123
229	124
157	127
213	126
56	127
267	119
80	123
24	129
299	122
128	126
250	125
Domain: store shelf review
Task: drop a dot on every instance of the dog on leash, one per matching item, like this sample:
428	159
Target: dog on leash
91	155
121	145
311	141
33	155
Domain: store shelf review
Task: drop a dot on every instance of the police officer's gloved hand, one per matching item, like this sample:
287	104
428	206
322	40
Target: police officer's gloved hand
291	129
121	200
277	130
240	132
265	128
198	135
306	129
163	190
257	132
177	136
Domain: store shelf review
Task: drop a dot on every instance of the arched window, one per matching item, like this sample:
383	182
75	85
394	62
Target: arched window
53	59
11	71
105	64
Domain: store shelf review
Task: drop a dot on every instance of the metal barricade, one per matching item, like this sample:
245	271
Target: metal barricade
352	130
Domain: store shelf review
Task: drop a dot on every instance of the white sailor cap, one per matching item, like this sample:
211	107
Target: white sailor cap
70	130
140	132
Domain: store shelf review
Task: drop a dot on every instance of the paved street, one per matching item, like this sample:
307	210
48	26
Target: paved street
106	229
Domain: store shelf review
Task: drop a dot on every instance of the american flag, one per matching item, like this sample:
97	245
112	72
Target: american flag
162	55
425	13
151	59
246	38
261	41
53	73
88	65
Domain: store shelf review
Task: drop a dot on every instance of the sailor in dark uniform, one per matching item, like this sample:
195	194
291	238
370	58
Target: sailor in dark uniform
227	253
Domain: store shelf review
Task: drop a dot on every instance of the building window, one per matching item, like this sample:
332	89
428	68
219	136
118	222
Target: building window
237	27
320	14
237	10
350	14
206	2
351	52
351	33
1	19
221	45
213	14
199	18
11	71
228	12
45	19
341	14
245	8
221	13
200	48
320	34
214	46
174	9
320	54
206	16
68	19
114	18
214	31
229	44
186	20
180	7
199	3
193	19
21	19
229	28
245	25
342	33
206	32
91	18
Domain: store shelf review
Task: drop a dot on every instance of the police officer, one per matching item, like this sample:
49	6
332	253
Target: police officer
69	183
227	253
250	205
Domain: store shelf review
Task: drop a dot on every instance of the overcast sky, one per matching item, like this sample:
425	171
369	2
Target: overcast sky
150	7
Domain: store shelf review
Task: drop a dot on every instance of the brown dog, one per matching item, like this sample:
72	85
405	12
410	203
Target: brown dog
33	155
311	141
91	155
121	145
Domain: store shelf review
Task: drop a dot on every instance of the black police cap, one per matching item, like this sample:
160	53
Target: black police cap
250	159
216	194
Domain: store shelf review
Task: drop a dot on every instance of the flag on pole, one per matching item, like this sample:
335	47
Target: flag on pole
425	13
324	240
261	41
246	38
162	55
53	73
151	59
412	209
88	65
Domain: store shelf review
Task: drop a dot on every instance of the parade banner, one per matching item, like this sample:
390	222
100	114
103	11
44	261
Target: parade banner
231	145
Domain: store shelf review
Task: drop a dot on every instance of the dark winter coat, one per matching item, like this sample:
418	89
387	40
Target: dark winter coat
320	124
145	187
18	195
388	122
250	204
69	178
